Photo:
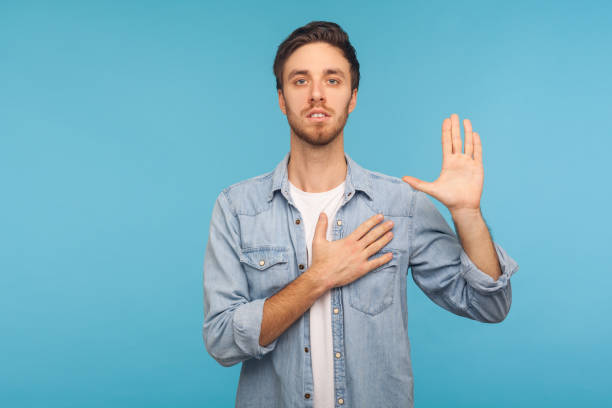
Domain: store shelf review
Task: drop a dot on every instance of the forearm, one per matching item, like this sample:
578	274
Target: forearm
287	305
476	241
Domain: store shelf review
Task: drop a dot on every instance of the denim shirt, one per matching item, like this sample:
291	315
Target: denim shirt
256	246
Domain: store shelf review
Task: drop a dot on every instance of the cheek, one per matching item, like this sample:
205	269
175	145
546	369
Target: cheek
295	103
339	100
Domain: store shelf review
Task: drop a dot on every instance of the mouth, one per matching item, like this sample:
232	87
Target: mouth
317	117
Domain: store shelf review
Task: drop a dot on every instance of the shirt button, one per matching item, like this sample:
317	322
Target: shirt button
339	222
306	395
336	311
297	221
306	349
338	355
340	401
262	262
301	266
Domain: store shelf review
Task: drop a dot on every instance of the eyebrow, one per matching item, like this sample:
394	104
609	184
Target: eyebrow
328	71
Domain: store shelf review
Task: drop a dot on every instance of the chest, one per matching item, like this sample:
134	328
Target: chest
275	241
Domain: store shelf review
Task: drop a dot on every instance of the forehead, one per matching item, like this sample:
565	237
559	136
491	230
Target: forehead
316	57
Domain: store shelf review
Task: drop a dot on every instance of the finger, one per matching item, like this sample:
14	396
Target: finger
417	184
377	245
376	233
321	227
469	141
378	261
477	147
447	143
367	225
456	133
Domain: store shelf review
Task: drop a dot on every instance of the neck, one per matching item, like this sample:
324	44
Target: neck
316	169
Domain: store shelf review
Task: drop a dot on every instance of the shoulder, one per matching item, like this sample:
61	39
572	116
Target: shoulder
391	195
249	196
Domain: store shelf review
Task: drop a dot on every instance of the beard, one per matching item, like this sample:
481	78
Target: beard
318	134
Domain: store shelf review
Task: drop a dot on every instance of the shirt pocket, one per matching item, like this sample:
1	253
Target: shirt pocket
374	292
266	268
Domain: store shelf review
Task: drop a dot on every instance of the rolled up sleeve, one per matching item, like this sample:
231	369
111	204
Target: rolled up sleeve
483	282
445	273
232	320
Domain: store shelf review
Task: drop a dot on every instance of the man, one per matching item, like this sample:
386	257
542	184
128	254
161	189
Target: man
315	306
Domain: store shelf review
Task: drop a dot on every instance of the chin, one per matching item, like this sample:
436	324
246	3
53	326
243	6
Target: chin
318	139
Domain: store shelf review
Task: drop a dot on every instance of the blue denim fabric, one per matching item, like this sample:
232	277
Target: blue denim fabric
255	248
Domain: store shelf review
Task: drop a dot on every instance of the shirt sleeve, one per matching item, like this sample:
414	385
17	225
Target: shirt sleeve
442	269
232	320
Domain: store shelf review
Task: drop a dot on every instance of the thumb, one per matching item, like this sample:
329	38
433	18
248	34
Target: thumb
418	184
321	227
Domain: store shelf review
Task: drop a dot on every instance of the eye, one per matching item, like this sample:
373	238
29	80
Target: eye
335	81
301	79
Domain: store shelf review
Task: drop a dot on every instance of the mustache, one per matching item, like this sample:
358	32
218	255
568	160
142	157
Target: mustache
325	108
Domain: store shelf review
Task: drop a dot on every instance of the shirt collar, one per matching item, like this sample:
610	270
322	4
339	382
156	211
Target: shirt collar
357	179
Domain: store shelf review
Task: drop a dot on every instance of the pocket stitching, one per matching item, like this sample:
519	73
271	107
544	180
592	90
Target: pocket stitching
394	262
272	255
264	280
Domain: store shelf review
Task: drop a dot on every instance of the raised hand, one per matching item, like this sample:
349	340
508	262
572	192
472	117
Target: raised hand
459	185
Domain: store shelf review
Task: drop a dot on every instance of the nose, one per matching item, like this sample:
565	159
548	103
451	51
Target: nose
316	93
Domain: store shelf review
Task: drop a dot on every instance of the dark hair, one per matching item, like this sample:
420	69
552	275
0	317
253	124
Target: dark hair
316	31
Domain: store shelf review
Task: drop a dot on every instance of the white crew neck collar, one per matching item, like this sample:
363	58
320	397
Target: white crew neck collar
333	190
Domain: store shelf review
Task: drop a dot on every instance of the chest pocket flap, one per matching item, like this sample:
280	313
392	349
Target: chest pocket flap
266	268
263	257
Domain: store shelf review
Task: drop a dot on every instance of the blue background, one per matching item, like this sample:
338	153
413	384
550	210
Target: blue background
120	123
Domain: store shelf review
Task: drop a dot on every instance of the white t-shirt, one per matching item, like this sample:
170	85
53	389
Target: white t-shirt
310	206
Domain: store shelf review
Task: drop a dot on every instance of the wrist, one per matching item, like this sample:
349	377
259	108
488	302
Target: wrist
465	214
318	280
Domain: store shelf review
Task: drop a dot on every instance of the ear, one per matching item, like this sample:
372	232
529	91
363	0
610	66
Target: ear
281	102
353	101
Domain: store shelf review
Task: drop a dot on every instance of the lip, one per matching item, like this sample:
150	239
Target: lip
323	119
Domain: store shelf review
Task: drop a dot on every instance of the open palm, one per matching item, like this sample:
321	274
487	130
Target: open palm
459	185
